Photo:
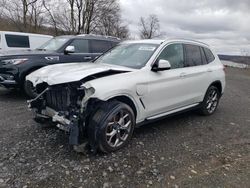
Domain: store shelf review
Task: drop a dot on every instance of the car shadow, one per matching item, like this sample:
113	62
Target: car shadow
11	95
171	122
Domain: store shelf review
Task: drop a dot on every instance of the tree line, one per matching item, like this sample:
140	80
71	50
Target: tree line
58	17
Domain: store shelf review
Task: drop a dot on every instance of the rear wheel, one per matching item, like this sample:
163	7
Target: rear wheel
211	101
112	126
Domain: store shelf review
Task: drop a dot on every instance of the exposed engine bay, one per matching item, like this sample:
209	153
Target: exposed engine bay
68	106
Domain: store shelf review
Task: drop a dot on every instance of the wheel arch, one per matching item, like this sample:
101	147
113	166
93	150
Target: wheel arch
218	85
127	100
27	72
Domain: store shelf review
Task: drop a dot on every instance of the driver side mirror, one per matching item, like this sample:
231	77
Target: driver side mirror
69	49
161	65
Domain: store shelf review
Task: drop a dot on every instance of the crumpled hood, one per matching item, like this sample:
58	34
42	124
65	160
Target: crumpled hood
70	72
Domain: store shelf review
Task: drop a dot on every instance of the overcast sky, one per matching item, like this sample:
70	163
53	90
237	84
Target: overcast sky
223	24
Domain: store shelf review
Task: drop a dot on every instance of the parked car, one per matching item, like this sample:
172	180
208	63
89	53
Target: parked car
15	66
21	41
133	83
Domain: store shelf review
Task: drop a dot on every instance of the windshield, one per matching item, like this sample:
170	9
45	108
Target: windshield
53	44
133	55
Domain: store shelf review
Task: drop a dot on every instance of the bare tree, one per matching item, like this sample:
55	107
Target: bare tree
23	13
72	15
149	27
80	14
52	20
2	7
108	19
25	8
65	16
36	18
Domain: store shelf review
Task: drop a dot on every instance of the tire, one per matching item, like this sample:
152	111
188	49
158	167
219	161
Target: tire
210	102
111	127
29	89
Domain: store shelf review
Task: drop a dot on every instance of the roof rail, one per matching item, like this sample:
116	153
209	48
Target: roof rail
101	36
185	39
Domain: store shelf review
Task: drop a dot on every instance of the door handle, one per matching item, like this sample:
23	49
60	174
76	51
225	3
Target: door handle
183	74
87	58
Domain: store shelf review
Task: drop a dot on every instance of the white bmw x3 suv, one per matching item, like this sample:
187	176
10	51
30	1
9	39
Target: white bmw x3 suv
101	102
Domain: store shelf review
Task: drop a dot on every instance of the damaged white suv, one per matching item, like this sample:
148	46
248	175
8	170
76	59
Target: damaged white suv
136	82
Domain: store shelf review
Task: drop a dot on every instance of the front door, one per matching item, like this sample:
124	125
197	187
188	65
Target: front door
171	89
82	52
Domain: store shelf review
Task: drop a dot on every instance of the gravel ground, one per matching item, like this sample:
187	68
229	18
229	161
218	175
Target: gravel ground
187	150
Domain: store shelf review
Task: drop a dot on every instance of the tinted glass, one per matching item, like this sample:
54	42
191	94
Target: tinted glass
174	54
81	45
203	56
17	41
133	55
54	44
100	46
209	55
193	55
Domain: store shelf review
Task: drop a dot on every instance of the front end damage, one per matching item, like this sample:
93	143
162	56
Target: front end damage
68	106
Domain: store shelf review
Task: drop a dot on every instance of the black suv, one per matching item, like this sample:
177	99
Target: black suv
16	65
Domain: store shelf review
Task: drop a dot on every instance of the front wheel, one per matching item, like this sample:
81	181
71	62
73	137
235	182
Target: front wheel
29	89
111	126
210	102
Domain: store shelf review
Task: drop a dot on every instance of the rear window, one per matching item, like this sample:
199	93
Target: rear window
209	55
193	55
17	41
100	46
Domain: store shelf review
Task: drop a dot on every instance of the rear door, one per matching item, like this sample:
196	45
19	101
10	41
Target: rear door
98	47
196	72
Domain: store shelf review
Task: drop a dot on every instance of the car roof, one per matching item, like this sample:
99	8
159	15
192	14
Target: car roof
161	41
92	36
26	34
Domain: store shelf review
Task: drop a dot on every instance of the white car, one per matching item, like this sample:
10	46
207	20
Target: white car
21	41
135	82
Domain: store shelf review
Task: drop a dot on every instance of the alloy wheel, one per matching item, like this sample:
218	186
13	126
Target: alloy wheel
212	101
118	129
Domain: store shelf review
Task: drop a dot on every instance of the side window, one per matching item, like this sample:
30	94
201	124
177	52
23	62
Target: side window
17	41
174	54
81	45
193	55
203	56
100	46
209	55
